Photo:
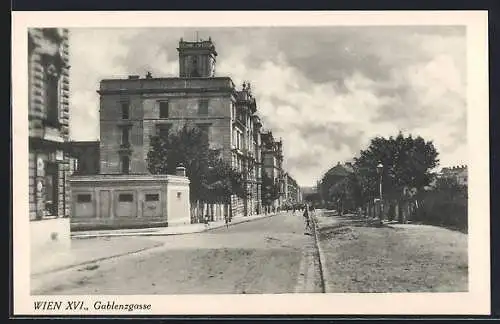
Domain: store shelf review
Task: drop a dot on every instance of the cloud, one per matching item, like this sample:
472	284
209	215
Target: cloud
325	91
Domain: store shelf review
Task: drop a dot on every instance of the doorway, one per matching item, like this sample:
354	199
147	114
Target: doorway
51	189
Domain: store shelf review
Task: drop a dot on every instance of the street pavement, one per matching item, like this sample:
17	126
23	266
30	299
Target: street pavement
269	255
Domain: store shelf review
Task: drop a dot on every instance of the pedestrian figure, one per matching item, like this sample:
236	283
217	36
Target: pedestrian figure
227	220
206	221
306	218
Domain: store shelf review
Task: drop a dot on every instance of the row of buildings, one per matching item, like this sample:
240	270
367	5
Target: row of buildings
457	172
134	108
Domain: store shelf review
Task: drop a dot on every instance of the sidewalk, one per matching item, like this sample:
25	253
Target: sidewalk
83	252
359	255
162	231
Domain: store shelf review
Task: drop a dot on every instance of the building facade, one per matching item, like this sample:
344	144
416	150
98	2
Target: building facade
48	120
135	108
84	157
48	77
293	194
272	164
458	172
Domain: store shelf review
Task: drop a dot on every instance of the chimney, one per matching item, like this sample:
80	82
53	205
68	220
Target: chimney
180	171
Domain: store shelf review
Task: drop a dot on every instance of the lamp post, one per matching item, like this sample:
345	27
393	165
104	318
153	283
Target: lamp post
380	169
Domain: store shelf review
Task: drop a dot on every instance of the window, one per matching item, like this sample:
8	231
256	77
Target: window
125	110
152	197
163	130
84	198
163	109
125	164
125	136
203	107
126	197
52	95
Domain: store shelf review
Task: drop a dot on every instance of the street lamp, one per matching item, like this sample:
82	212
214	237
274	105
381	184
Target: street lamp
380	169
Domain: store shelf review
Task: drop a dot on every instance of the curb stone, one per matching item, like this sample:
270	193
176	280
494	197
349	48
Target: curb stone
159	233
79	264
322	259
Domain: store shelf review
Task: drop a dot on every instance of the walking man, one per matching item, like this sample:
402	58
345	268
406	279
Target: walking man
307	219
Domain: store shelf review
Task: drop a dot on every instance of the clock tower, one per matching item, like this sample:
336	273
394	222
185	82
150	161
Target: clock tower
197	59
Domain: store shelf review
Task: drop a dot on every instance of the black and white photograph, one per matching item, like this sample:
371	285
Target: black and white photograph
248	158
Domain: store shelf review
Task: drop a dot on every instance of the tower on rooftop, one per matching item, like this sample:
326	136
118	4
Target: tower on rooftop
197	59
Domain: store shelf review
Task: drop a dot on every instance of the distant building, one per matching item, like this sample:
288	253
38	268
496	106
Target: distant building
272	160
292	191
85	157
135	108
459	173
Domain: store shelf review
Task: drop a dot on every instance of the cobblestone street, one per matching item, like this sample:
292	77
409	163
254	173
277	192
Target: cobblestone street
270	255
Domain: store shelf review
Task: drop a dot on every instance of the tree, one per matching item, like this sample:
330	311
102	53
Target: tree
222	180
407	163
338	188
212	180
185	147
444	204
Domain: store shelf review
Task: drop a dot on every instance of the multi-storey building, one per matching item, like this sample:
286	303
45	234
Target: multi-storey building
48	78
48	120
292	191
133	109
272	163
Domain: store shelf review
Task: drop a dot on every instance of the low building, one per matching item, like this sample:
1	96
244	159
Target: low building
107	201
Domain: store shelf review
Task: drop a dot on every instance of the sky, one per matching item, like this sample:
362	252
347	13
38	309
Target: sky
326	91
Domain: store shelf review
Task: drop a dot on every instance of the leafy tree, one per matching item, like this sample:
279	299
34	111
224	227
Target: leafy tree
444	204
222	180
185	147
407	163
212	180
339	188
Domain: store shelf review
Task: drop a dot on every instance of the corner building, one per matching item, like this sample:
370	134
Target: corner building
133	109
48	120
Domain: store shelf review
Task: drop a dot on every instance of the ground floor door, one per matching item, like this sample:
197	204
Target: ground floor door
51	189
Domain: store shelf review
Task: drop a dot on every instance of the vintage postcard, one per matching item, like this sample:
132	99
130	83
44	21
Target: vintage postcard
193	163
